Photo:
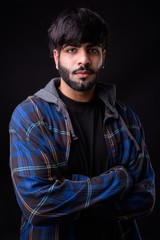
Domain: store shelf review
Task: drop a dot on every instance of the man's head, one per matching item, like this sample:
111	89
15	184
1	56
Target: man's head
78	40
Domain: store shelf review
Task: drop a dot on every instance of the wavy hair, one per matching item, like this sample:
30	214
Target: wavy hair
78	25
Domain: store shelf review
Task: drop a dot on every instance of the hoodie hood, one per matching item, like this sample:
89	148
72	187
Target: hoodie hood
106	92
49	92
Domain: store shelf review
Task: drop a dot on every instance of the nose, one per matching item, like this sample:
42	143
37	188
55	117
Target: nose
83	58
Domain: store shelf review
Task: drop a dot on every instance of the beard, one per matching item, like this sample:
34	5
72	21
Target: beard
83	84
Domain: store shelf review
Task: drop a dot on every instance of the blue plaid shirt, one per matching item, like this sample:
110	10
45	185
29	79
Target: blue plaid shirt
41	134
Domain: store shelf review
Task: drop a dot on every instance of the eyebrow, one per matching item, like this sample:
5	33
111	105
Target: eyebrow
79	45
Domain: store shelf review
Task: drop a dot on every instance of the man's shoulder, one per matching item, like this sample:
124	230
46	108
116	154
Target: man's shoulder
28	111
127	113
23	110
27	105
31	103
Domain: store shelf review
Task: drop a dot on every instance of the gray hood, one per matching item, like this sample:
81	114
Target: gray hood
107	93
49	92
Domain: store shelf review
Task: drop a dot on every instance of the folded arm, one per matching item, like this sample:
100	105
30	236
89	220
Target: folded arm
139	200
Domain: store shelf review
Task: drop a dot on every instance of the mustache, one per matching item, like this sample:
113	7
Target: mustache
86	68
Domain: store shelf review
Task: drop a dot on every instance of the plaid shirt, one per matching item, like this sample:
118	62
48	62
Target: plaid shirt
41	134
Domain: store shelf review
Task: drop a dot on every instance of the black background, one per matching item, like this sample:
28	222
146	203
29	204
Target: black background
132	64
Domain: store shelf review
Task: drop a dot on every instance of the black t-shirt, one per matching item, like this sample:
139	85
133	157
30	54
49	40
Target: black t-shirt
88	156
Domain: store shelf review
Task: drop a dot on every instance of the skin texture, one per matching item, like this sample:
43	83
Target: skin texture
79	67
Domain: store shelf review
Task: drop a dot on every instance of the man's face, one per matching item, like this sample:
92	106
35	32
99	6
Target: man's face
79	65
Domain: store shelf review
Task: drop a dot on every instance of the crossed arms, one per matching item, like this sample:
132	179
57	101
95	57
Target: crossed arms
46	197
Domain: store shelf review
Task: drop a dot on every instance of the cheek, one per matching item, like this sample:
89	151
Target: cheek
98	63
67	64
66	60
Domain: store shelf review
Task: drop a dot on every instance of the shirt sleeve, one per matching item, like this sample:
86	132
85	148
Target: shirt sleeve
139	200
42	192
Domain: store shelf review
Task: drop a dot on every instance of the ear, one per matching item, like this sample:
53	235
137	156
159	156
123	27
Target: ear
104	55
56	57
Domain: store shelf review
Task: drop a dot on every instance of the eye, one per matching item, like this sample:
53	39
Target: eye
94	50
71	50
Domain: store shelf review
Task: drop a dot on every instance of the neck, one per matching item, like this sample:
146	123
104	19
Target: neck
79	96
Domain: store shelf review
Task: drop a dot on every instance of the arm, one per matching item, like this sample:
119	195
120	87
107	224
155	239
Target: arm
140	198
42	192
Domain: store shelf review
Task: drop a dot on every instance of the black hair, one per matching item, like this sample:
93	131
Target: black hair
78	25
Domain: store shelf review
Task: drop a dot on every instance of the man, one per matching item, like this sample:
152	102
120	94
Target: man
79	161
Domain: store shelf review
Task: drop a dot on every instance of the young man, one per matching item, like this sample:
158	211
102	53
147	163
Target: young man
79	161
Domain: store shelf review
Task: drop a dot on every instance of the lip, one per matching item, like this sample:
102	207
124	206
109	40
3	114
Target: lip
83	74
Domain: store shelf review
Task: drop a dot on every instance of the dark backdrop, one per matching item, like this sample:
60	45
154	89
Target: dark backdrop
132	64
